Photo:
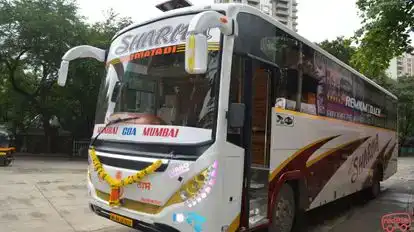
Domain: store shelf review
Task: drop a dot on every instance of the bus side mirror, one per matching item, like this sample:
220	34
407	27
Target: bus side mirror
236	115
196	53
83	51
63	72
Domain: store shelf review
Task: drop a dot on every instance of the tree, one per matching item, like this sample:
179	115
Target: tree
84	79
14	108
405	93
34	35
341	48
384	35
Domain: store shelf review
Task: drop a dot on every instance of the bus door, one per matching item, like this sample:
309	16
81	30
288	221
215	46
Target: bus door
258	94
261	93
251	84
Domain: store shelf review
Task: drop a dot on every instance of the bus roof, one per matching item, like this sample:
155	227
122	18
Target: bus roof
231	8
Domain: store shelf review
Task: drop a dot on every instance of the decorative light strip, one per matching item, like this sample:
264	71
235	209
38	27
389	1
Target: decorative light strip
209	182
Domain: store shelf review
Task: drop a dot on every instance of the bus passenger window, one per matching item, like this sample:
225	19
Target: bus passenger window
309	92
291	89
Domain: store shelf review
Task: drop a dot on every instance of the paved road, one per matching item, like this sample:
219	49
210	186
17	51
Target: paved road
50	196
356	213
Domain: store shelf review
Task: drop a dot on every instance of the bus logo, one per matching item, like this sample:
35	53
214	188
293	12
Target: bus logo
144	185
396	222
284	120
180	169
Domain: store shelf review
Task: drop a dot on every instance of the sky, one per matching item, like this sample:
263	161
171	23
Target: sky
317	19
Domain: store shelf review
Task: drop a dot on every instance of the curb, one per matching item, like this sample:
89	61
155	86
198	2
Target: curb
42	155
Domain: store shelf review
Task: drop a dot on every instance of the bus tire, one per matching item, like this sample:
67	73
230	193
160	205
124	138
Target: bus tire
375	189
284	210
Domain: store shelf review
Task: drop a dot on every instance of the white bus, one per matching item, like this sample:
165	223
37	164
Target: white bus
238	123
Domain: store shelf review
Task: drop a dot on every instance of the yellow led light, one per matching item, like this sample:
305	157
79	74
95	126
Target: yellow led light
191	47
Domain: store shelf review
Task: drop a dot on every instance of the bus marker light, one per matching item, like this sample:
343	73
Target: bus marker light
200	186
207	189
213	173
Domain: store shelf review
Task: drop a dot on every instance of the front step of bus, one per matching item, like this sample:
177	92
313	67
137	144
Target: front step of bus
258	196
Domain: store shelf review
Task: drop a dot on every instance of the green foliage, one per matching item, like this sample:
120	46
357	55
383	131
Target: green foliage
387	25
34	35
341	48
405	93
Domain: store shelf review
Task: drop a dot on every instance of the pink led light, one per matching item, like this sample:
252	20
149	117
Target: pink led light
213	173
215	164
207	189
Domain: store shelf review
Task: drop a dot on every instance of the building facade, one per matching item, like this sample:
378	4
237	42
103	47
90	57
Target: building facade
285	11
401	66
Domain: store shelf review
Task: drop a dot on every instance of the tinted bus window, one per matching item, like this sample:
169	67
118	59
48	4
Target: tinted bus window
339	88
264	40
328	89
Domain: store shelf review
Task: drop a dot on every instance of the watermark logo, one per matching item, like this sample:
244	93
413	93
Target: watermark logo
396	222
179	169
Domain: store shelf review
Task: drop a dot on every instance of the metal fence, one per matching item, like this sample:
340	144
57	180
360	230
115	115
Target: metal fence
407	151
80	148
38	144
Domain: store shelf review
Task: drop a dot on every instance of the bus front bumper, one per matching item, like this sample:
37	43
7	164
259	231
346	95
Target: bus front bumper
125	217
131	222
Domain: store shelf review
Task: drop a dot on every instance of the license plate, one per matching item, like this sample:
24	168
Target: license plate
120	219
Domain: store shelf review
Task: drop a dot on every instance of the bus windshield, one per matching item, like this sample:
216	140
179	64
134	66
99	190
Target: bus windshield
159	86
146	80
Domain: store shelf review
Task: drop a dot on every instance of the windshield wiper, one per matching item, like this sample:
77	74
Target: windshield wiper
113	122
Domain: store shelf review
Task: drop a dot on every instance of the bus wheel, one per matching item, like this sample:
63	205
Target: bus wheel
375	189
284	210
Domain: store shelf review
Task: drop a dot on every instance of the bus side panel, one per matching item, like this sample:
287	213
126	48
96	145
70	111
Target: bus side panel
336	157
390	167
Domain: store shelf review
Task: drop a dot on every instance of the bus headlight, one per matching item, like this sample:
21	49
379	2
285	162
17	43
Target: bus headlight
199	186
